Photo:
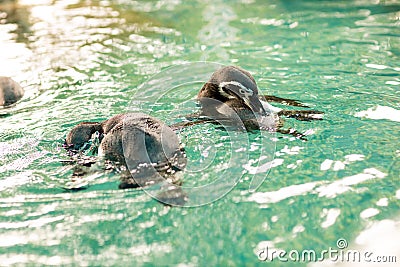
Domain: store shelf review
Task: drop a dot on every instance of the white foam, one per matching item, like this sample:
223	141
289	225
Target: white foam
326	165
264	167
281	194
392	82
340	165
267	106
380	113
37	223
331	216
368	213
344	185
376	66
298	229
354	157
383	202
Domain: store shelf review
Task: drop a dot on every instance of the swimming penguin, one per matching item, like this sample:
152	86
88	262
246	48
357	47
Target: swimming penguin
232	94
230	83
10	91
145	145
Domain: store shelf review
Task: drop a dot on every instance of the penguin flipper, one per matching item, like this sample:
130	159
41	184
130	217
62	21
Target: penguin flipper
283	101
302	115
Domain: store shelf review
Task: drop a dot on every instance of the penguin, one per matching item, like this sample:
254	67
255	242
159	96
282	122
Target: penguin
231	96
144	145
10	91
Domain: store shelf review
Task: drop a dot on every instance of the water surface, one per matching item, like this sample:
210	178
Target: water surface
84	60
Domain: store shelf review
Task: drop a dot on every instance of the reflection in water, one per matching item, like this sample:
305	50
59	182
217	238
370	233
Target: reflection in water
14	32
12	12
217	34
78	35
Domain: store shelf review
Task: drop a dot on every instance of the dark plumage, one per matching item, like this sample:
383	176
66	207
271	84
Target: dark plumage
231	97
81	134
131	136
10	91
230	83
140	142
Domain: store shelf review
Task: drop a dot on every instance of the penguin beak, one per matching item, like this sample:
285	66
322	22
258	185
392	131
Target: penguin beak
249	97
255	104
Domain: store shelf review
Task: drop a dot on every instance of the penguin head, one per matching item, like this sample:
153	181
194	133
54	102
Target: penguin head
232	82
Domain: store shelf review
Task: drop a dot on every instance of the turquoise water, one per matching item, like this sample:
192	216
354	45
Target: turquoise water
84	60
